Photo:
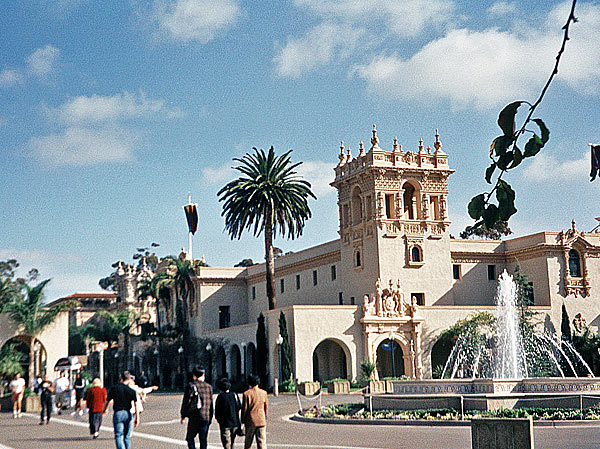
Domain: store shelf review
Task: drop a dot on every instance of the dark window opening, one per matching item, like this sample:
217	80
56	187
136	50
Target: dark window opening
314	277
491	272
297	282
419	298
456	272
224	317
333	273
358	261
415	254
341	298
282	285
253	292
352	301
574	265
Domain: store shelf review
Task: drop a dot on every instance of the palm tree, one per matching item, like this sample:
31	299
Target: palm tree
154	288
269	197
30	312
8	291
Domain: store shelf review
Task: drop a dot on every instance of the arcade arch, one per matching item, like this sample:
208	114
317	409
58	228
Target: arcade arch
331	359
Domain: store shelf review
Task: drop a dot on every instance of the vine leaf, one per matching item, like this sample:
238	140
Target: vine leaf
477	206
491	216
489	172
506	119
533	146
506	201
543	128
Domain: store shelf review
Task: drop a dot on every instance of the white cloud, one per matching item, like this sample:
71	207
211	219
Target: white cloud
404	18
319	46
319	174
83	146
545	167
214	175
100	108
487	68
43	60
196	20
502	8
9	78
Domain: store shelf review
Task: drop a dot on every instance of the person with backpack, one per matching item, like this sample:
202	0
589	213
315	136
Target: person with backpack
227	414
197	407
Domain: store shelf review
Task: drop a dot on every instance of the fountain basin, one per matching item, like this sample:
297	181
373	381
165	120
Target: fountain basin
489	394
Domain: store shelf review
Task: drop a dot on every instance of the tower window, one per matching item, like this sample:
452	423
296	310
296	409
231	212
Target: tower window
282	285
333	273
456	271
341	298
358	261
297	282
253	292
419	298
408	197
224	317
415	254
574	265
314	277
491	272
389	206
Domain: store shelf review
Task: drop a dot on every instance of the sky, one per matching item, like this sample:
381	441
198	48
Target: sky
111	112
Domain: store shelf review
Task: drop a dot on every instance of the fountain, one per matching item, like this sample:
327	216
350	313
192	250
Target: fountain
496	366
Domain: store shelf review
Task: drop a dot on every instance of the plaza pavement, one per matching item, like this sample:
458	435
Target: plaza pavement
160	428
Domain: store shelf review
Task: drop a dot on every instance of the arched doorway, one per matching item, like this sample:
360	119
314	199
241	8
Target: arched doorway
439	355
250	359
329	361
390	359
235	364
18	346
220	363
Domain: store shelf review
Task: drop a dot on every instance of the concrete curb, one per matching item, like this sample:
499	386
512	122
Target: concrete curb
434	423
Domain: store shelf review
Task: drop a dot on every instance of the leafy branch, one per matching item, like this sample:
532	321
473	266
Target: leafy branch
506	154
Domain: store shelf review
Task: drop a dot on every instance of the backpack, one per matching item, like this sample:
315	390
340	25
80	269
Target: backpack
194	402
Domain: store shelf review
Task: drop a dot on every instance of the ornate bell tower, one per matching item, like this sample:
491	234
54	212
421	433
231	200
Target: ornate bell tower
394	231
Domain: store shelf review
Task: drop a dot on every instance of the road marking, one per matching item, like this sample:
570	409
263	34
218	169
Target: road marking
160	423
5	447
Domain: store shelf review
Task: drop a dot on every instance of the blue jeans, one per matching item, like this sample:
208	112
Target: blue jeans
122	426
197	426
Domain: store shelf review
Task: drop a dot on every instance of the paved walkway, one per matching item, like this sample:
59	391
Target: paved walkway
160	428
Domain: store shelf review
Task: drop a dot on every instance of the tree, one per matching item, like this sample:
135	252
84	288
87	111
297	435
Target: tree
262	352
505	154
524	287
10	361
30	313
495	233
8	291
286	350
144	255
245	263
270	198
565	325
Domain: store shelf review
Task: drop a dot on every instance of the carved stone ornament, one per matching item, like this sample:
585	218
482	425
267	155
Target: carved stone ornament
579	323
387	302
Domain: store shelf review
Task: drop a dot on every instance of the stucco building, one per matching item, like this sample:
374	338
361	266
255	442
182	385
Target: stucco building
395	273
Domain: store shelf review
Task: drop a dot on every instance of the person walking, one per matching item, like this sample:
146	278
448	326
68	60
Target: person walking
254	414
79	386
17	388
197	407
142	380
62	385
122	398
227	414
46	391
141	393
95	398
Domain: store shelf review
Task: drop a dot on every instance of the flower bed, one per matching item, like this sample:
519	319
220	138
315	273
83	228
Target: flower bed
359	412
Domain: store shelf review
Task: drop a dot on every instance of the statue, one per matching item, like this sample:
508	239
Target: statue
579	323
368	306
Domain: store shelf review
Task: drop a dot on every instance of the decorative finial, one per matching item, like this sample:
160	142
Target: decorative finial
374	139
348	156
428	149
395	145
361	150
437	145
342	156
421	145
573	225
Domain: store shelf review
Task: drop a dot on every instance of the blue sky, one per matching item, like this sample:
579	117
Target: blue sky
110	112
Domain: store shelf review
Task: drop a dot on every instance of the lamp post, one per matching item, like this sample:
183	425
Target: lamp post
36	362
392	347
279	341
208	349
133	357
180	351
157	366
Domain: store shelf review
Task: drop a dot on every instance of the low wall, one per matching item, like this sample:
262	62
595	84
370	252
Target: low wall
502	433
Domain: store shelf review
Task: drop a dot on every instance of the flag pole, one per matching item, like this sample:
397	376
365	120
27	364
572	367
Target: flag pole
190	231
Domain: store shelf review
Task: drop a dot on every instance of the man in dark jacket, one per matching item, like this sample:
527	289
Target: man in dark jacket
197	406
227	413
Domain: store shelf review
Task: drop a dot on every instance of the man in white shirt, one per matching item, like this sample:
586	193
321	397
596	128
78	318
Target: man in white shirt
17	387
61	387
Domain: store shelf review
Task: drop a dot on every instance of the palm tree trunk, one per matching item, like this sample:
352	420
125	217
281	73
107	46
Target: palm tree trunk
186	333
31	362
270	259
159	355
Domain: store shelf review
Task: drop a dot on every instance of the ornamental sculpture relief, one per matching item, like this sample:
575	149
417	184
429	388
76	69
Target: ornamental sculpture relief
387	302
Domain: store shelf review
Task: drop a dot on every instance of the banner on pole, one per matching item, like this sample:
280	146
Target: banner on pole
191	215
595	161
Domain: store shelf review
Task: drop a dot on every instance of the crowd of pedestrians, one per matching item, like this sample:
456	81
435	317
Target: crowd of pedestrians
245	417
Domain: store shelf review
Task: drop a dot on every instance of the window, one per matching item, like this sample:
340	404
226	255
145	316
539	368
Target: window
253	292
574	265
491	272
282	285
341	298
358	261
224	317
352	301
389	206
415	254
419	298
529	298
314	277
297	282
333	273
456	272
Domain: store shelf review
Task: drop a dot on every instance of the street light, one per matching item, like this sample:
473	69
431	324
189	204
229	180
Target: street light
181	370
279	341
36	362
155	352
392	343
208	349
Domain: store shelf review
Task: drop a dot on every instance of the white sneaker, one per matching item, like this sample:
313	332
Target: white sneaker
20	415
80	412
